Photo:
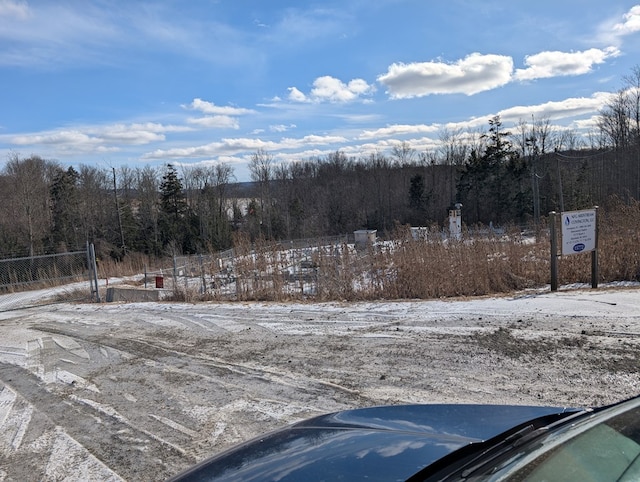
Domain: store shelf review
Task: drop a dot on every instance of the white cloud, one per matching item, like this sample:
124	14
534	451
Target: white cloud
58	34
107	138
210	108
51	33
305	154
359	118
386	137
631	23
555	64
10	8
572	107
471	75
612	30
281	127
334	90
226	147
477	73
215	121
314	140
55	138
376	140
587	124
421	144
330	89
216	116
132	137
295	95
239	145
133	134
65	142
398	130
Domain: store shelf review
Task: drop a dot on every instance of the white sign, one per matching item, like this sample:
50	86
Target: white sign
578	231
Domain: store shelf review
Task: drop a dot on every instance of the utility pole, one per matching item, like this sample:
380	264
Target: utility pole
115	195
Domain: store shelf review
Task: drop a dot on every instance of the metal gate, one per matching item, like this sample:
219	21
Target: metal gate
40	280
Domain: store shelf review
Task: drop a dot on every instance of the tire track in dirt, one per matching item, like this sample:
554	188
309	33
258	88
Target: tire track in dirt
201	365
106	436
174	437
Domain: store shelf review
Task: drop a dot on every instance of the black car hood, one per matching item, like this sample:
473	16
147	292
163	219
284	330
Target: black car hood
379	443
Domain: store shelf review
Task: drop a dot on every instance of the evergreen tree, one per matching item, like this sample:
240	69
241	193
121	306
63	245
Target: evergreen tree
176	223
494	185
65	232
418	199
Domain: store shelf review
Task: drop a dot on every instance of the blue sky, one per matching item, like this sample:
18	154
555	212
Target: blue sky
112	83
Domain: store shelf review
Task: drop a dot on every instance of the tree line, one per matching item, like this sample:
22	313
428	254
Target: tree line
498	175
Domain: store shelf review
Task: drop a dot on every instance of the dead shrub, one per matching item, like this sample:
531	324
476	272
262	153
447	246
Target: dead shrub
259	270
436	268
432	266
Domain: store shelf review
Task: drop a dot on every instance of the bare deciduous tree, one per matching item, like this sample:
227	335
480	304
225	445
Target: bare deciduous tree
28	198
261	167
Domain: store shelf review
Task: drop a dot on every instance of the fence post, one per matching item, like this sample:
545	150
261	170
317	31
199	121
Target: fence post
90	269
175	274
594	256
94	267
554	251
204	277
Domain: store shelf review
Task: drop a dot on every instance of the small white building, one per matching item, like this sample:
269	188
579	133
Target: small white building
365	237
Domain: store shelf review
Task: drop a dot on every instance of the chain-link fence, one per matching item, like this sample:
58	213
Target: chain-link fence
37	280
255	272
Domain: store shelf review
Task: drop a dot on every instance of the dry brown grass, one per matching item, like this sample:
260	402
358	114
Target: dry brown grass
259	270
427	268
432	268
619	247
399	269
131	264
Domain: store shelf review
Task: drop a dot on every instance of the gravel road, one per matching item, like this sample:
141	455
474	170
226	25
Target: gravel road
142	391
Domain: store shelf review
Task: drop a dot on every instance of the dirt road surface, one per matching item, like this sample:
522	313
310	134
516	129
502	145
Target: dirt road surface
142	391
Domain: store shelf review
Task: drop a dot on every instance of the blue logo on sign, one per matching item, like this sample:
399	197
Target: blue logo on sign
578	247
567	222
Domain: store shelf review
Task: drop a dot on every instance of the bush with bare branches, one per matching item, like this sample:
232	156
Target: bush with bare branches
403	267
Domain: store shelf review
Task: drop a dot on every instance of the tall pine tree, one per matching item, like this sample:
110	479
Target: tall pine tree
493	185
65	233
175	219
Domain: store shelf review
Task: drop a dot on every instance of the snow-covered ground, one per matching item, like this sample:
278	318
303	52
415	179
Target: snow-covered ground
141	391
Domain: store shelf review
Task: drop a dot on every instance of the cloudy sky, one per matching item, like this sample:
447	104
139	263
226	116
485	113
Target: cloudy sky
118	82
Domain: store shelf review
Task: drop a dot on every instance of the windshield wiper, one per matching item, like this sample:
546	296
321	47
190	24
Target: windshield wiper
513	441
491	450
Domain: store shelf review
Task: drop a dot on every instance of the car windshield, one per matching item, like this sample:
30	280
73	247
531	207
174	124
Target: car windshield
602	446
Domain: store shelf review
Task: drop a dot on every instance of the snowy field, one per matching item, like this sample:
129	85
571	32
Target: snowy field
141	391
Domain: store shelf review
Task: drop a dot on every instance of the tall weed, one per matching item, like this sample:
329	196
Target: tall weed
480	263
